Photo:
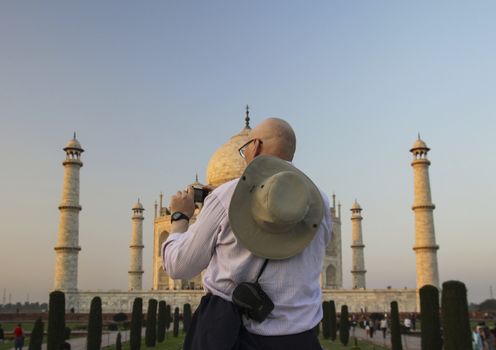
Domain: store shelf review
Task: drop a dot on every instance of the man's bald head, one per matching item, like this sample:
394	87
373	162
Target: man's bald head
278	138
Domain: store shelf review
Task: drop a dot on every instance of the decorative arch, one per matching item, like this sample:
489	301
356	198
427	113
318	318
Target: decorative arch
331	278
161	239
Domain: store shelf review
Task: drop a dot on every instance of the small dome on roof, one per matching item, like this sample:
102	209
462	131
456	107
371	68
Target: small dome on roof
355	206
419	144
138	205
73	144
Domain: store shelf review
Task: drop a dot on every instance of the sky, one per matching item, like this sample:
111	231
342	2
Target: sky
153	88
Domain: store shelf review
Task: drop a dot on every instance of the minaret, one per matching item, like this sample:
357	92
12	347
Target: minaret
136	261
67	247
425	240
358	262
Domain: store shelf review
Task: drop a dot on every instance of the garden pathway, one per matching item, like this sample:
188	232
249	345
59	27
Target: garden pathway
80	343
409	342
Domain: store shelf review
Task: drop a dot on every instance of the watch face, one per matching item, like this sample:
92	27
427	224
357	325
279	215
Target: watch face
178	216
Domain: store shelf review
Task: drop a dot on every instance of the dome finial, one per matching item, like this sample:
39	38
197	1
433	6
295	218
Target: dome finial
247	119
419	136
74	135
196	177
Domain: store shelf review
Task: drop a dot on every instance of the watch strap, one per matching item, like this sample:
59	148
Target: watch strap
176	216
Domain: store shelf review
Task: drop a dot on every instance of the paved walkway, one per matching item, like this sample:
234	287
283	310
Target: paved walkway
409	342
108	339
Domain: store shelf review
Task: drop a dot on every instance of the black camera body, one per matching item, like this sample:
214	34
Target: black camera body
252	301
200	194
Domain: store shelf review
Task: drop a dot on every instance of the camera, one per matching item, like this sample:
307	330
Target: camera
252	301
200	194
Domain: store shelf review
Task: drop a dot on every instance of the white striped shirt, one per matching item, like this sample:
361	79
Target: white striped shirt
292	284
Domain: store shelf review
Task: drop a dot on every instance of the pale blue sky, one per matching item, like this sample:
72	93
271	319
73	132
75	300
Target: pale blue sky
153	88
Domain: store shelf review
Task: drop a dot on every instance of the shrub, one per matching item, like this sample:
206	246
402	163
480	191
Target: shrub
118	342
429	313
36	338
136	322
168	318
395	327
67	333
56	320
456	324
332	320
151	324
326	331
161	321
120	317
344	326
112	327
186	317
94	337
175	330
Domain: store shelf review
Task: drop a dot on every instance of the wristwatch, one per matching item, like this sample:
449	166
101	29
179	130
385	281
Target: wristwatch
176	216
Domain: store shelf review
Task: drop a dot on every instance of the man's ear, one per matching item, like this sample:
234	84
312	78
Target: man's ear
258	148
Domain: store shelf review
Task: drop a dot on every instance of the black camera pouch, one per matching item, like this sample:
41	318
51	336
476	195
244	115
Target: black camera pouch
251	300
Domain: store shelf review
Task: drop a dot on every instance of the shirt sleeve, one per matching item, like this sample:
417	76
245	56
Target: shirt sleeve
185	255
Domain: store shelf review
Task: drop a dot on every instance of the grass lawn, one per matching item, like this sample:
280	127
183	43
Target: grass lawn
172	343
9	345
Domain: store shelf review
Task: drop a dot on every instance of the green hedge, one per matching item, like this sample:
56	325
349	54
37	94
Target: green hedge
455	318
56	320
136	324
94	337
151	324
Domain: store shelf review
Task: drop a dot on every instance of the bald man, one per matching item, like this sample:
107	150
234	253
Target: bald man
292	284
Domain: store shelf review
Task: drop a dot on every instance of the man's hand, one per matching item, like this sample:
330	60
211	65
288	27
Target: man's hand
183	201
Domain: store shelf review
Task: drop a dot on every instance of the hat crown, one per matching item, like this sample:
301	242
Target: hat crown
281	201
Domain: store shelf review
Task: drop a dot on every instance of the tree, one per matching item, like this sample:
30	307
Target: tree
333	320
344	326
175	330
455	318
395	327
94	337
161	321
136	323
186	317
429	313
151	324
36	338
120	317
326	330
118	342
168	318
56	320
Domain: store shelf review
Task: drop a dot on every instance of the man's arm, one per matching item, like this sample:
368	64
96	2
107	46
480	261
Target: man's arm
185	255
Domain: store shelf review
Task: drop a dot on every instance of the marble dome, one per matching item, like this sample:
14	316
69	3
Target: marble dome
355	206
419	144
226	164
73	144
138	205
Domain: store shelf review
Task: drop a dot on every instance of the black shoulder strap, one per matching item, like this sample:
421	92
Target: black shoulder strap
262	269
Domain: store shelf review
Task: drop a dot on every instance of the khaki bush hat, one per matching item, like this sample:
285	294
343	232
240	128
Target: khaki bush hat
276	209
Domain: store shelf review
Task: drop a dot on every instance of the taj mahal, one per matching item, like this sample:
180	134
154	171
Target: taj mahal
225	165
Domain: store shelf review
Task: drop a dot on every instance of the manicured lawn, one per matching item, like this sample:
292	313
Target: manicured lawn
172	343
8	345
336	345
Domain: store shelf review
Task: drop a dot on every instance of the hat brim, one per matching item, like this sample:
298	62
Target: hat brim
280	245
